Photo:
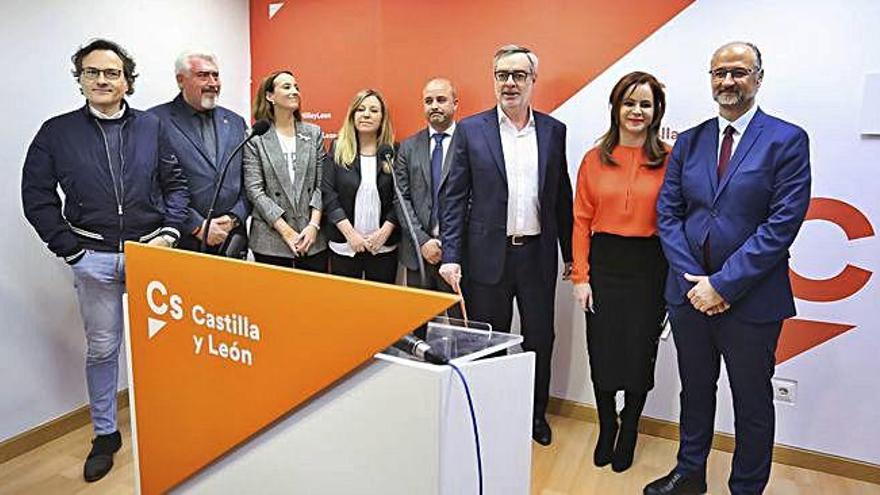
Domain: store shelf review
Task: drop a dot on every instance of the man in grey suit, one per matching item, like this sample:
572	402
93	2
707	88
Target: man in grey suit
422	164
202	135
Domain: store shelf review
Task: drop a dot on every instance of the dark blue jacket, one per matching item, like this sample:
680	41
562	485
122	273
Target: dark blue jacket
752	216
70	150
473	198
201	173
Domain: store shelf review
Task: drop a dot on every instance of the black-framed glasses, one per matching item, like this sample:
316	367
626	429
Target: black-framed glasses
737	73
92	74
519	76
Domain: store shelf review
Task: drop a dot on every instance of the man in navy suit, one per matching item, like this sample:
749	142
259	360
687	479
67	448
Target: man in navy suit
505	205
736	192
203	134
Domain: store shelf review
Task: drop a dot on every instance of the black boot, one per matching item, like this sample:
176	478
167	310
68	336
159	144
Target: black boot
607	410
629	431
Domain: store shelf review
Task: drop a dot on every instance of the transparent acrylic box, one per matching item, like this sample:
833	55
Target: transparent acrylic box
462	341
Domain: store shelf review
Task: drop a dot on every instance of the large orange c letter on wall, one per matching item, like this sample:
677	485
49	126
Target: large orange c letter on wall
799	336
849	281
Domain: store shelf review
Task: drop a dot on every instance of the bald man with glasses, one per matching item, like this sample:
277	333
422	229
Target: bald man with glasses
735	194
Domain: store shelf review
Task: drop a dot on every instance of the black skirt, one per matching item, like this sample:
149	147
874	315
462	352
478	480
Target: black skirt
627	275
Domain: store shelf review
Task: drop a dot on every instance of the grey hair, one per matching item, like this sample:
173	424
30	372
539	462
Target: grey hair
513	50
181	64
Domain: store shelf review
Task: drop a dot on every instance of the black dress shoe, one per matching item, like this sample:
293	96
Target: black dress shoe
100	459
676	484
541	431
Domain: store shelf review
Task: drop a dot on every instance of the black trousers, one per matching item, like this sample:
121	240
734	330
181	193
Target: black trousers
535	301
749	352
378	268
314	263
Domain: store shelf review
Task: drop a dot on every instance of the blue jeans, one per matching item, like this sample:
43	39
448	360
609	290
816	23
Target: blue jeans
99	279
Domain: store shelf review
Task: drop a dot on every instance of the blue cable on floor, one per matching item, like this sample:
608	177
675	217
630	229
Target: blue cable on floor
467	391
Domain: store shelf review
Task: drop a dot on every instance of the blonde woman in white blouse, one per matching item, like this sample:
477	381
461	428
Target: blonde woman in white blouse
358	194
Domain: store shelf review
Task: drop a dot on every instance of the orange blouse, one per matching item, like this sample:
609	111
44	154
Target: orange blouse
613	199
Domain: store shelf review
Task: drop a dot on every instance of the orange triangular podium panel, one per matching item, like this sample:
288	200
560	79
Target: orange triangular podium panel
221	348
799	336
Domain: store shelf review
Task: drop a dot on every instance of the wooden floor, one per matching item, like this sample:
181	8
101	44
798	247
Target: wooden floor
565	467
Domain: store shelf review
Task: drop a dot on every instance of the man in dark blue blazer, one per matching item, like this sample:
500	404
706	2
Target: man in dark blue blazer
203	134
505	205
736	192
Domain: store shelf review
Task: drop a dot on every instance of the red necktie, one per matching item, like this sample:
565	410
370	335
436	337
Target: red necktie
726	147
723	160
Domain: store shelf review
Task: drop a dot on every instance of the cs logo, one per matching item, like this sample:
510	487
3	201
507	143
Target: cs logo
161	304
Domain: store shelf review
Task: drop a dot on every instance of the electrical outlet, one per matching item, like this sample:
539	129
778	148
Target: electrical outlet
784	391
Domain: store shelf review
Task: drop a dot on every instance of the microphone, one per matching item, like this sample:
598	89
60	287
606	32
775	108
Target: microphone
386	152
259	128
417	347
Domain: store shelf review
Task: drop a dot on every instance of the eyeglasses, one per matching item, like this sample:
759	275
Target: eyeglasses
737	73
519	76
204	75
92	74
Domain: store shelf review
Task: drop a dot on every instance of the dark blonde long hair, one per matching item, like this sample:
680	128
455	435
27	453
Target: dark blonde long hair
346	146
265	109
654	147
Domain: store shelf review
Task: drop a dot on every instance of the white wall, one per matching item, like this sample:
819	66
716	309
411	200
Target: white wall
816	54
41	359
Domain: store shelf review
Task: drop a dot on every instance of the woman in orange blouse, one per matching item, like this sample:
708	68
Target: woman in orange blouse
619	268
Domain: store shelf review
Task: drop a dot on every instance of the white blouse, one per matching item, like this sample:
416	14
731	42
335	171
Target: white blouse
367	208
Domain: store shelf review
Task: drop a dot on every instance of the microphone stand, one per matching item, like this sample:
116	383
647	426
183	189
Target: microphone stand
410	343
388	155
204	240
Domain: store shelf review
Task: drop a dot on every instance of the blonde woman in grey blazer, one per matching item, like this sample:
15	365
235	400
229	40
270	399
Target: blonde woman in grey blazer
282	177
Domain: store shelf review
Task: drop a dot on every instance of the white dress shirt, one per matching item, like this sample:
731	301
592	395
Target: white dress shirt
447	141
739	127
103	116
520	148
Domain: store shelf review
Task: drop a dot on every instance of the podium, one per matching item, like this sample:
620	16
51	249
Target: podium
282	386
397	426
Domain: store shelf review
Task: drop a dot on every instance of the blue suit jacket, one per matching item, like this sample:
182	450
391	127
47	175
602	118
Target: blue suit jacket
201	173
752	216
473	198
